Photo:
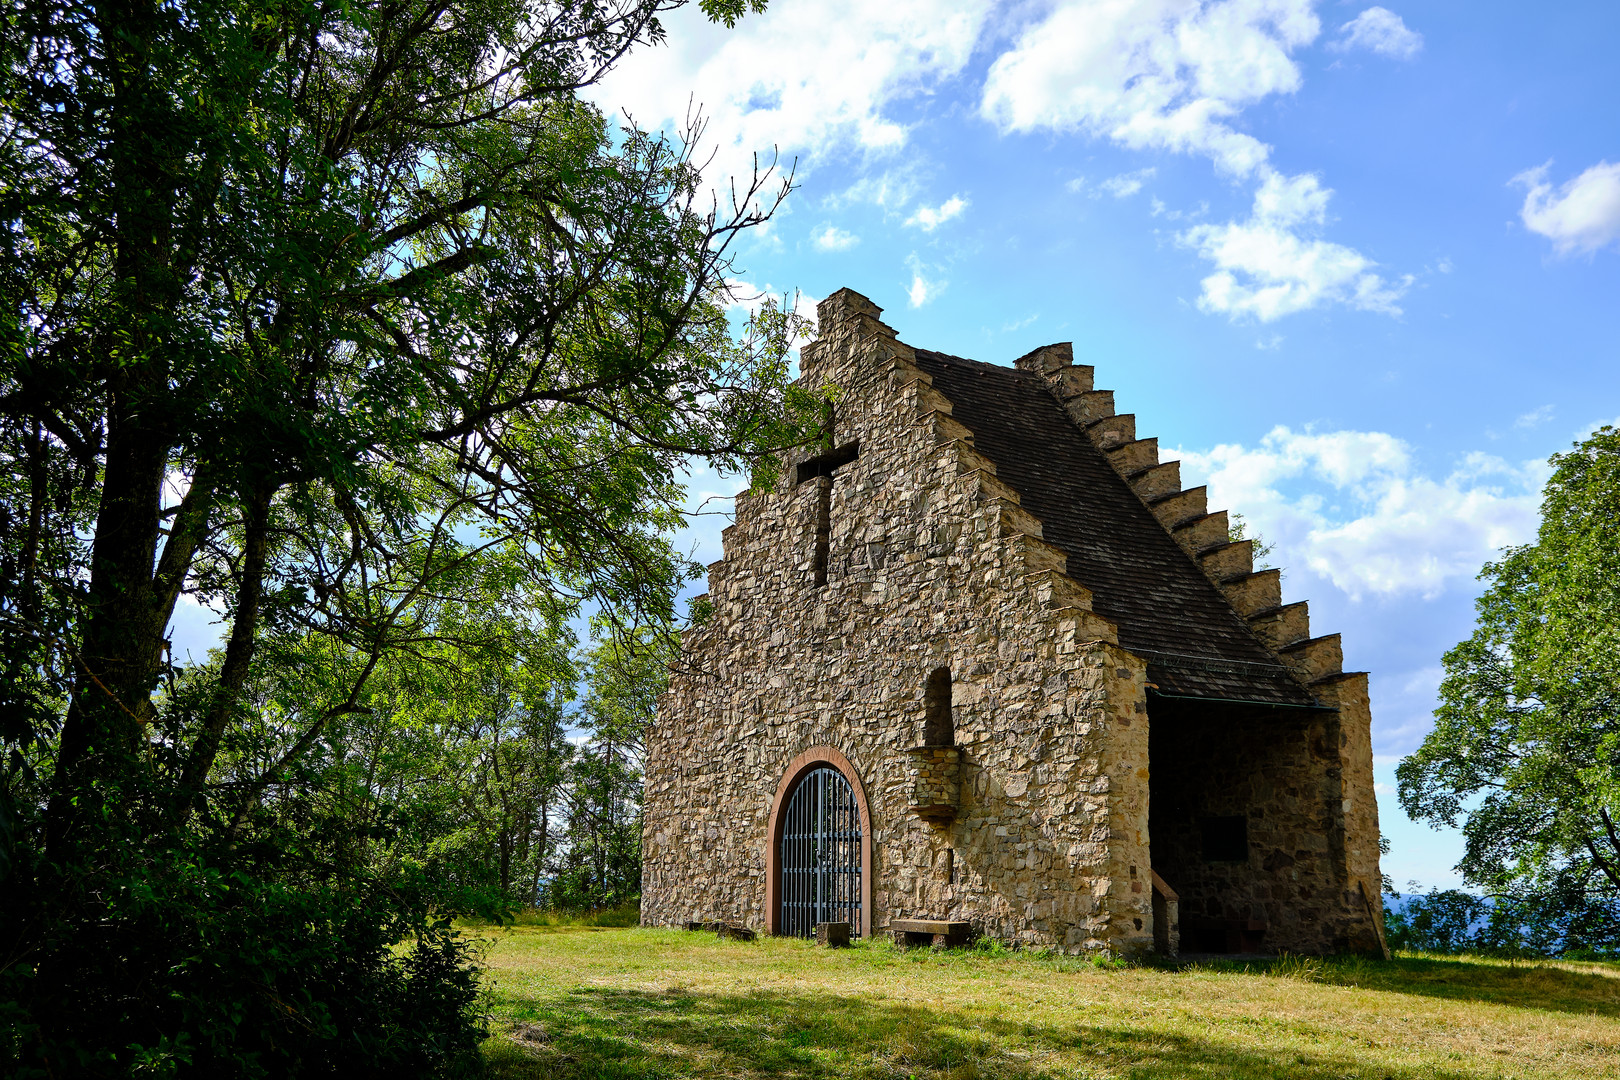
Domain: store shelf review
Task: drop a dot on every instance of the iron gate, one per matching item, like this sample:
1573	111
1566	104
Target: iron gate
821	855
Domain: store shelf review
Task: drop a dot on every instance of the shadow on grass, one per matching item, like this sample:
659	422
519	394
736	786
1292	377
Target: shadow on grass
1521	985
618	918
636	1035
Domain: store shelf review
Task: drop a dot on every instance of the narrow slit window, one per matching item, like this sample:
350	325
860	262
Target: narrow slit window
1226	839
939	728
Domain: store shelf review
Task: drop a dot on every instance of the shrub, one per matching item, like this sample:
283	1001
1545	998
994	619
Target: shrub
162	962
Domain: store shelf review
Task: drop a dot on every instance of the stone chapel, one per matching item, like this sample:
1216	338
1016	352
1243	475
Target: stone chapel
980	659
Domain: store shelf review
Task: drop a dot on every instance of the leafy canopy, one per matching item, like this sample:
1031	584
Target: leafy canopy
355	323
1525	752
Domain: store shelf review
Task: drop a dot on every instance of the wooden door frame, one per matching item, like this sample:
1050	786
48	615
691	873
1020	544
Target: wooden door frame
812	758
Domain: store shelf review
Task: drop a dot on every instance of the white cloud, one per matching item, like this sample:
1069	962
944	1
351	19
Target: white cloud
746	300
1169	75
929	218
1125	185
1381	31
1579	217
762	85
923	287
1535	417
1153	74
1161	210
1076	185
1405	713
1355	508
1175	75
832	238
1266	268
888	190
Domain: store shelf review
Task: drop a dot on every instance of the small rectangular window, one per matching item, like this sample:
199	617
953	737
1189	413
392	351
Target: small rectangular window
1226	839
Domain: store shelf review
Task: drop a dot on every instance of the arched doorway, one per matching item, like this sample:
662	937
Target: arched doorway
820	853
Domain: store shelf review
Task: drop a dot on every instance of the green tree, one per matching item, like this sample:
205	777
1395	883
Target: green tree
624	674
454	762
1238	530
349	320
1525	752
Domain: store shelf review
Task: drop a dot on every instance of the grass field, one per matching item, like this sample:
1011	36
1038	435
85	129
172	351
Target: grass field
574	1002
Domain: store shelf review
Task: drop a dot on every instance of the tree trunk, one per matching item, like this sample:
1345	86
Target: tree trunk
233	671
119	652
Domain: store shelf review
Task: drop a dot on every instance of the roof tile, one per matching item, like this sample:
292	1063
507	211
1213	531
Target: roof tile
1166	609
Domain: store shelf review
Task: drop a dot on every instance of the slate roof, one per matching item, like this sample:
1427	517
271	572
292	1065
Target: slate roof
1167	610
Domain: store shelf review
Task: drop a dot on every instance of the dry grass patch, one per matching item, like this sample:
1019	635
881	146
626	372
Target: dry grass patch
575	1002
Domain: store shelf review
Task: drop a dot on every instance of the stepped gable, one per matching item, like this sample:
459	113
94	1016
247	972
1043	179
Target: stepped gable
1168	609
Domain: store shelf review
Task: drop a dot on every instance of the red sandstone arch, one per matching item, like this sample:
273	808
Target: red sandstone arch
816	755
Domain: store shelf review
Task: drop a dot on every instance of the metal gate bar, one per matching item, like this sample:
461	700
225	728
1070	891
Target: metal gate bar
821	855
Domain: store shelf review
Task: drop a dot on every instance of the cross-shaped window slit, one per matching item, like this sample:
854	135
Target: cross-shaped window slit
823	465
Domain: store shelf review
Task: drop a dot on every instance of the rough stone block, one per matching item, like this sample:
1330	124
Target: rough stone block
936	933
832	935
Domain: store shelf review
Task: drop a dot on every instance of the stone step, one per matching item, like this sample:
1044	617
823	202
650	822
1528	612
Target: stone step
1254	592
1156	481
1039	555
1314	658
1228	560
1010	518
1112	431
1048	360
1055	590
870	326
1071	382
968	458
1282	625
989	489
1091	405
1182	507
947	430
1338	677
1202	533
931	400
1135	456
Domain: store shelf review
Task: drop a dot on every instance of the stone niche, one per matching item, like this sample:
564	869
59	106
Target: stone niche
933	775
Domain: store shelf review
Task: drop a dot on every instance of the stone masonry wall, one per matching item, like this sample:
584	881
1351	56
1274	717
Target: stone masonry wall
932	562
1362	889
1280	772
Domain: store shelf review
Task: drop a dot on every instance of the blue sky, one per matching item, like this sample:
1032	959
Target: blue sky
1359	266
